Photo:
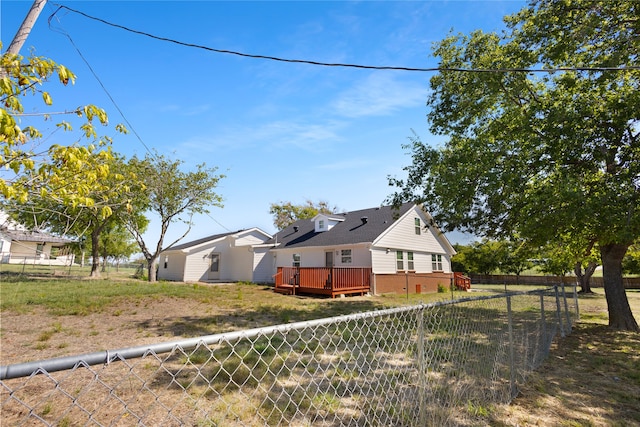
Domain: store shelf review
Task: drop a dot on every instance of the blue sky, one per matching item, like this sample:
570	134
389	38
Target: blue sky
278	131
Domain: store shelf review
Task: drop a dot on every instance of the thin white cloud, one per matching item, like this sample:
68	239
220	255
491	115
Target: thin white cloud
380	95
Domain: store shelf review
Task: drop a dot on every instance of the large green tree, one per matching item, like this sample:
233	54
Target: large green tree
286	213
170	194
540	154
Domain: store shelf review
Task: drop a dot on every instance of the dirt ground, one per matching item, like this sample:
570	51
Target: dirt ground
591	379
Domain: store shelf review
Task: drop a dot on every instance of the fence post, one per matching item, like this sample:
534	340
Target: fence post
512	368
543	326
566	310
422	401
575	300
558	314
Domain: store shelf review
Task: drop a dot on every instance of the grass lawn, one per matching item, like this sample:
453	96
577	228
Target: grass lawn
591	378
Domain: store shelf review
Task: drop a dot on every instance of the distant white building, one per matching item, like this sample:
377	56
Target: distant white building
19	245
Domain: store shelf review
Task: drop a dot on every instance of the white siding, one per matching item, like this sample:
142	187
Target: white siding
250	237
315	256
263	266
175	266
402	236
5	248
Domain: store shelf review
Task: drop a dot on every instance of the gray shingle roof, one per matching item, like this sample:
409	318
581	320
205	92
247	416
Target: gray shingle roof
350	231
199	241
34	236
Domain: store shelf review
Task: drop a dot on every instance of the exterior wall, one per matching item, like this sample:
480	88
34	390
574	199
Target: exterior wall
402	236
397	283
315	256
175	266
27	252
5	248
253	237
237	266
198	262
263	266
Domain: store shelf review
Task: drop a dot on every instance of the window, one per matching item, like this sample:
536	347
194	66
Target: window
321	224
39	249
346	256
215	263
296	260
166	261
436	262
416	222
399	261
55	251
410	261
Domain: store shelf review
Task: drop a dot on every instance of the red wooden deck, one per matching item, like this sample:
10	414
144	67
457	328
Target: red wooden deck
461	282
323	281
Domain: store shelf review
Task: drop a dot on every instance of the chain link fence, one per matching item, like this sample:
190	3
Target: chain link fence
411	366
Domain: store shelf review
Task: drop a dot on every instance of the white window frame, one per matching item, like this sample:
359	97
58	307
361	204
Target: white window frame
399	261
410	264
436	262
211	263
346	256
296	260
418	226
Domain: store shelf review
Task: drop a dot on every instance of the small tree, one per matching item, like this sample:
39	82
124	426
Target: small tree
516	257
171	194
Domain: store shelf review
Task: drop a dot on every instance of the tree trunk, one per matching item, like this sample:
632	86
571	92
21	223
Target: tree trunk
584	280
151	269
620	315
95	253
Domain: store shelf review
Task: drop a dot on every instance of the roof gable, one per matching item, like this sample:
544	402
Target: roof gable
209	239
362	226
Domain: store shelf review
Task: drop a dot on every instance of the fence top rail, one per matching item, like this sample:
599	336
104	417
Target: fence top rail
107	356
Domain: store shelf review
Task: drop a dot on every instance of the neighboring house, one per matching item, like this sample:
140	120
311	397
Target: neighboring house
19	245
229	257
375	250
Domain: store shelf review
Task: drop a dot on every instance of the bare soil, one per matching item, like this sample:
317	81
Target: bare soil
591	378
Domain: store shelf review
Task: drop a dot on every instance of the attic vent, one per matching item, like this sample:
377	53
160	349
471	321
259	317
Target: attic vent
295	228
364	219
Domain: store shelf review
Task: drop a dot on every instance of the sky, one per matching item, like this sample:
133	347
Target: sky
278	131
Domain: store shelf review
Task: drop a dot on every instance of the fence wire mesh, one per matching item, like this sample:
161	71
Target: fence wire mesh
410	366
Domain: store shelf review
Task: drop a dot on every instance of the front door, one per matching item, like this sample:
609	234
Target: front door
328	259
214	266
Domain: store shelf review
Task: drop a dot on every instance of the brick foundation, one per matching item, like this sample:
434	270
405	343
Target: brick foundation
418	283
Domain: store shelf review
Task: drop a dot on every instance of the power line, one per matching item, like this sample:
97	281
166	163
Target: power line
95	75
347	65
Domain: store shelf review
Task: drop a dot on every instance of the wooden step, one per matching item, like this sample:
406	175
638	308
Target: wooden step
284	289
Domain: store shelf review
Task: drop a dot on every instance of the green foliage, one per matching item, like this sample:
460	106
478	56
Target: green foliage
286	213
65	173
538	155
170	193
631	262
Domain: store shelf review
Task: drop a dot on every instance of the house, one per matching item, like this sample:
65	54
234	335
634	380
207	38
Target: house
228	257
21	246
377	250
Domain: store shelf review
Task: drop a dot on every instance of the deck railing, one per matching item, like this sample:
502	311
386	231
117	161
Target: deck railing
330	281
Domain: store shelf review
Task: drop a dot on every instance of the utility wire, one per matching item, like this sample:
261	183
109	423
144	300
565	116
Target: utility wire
95	75
369	67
